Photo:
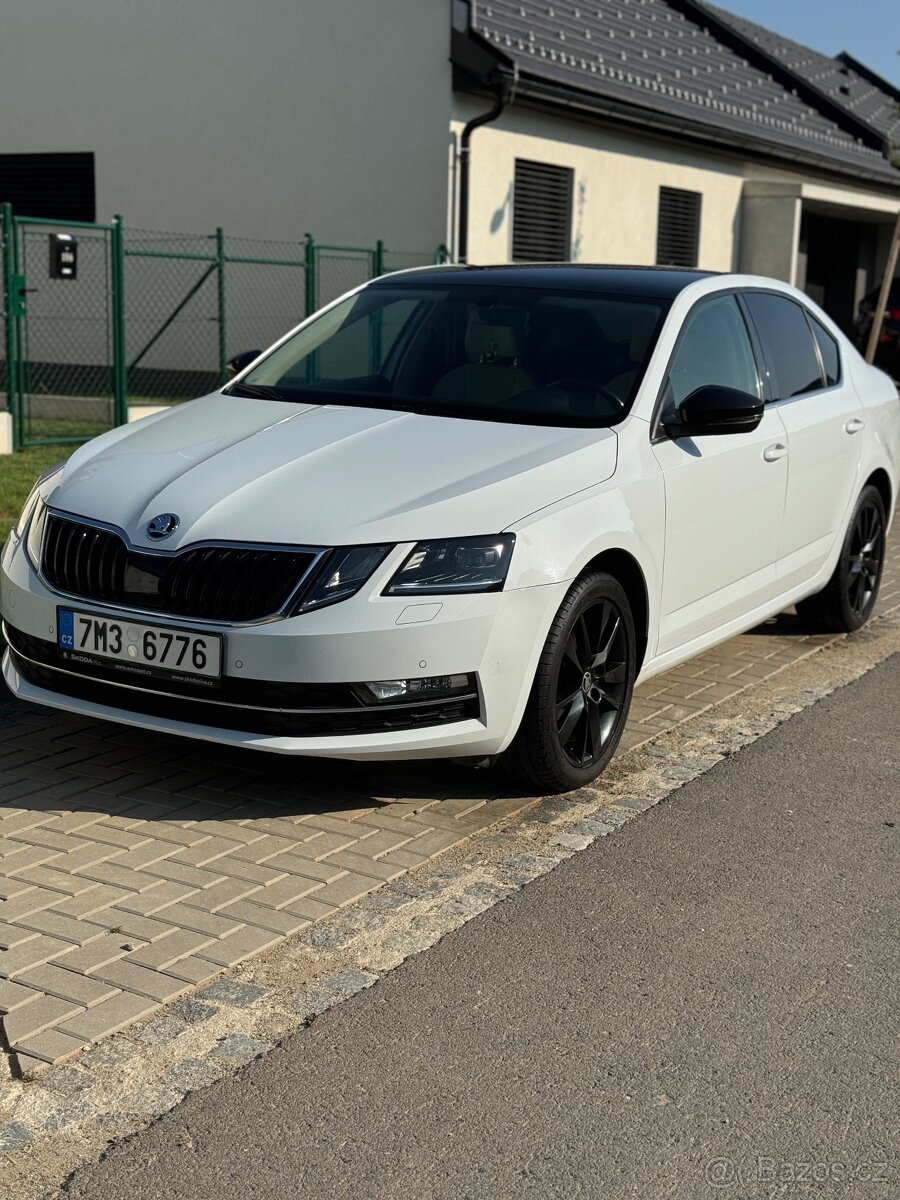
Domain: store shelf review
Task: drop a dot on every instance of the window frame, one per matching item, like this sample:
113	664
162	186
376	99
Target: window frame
813	321
657	433
769	364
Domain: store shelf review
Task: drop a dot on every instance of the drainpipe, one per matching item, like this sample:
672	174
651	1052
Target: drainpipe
503	95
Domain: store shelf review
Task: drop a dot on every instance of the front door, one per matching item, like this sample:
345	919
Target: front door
725	494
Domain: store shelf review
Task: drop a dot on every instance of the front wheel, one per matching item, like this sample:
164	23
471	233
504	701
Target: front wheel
581	692
846	602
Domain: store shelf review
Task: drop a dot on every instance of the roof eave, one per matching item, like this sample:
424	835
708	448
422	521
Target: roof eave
545	94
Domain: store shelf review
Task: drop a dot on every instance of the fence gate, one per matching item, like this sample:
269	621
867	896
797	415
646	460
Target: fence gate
97	315
64	381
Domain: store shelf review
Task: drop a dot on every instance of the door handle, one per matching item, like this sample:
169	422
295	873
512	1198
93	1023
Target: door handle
773	453
854	425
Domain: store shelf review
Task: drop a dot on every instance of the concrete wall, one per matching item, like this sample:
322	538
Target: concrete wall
770	230
268	118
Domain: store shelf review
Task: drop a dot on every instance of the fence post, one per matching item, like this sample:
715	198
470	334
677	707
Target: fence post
378	259
7	229
120	368
220	279
311	287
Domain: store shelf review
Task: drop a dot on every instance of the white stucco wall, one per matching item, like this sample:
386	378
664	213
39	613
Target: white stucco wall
616	187
617	177
268	118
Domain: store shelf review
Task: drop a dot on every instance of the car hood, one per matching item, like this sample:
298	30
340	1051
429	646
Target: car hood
239	469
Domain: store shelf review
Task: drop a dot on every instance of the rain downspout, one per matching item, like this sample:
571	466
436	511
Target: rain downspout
504	94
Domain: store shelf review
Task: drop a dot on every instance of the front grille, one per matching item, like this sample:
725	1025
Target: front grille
213	583
304	709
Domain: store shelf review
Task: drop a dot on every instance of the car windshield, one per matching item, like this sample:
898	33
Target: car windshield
518	354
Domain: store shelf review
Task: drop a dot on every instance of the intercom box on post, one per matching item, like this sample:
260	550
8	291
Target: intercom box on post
63	256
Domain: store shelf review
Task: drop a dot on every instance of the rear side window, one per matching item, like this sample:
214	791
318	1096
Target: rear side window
788	343
714	348
829	351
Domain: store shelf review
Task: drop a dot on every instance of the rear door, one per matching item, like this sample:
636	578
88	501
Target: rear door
823	417
725	493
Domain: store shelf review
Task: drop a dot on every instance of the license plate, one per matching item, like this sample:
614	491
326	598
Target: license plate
138	649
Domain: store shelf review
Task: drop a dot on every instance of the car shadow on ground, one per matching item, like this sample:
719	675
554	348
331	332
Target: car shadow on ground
51	759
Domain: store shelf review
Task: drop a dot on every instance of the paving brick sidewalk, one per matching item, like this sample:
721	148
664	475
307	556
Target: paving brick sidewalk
134	867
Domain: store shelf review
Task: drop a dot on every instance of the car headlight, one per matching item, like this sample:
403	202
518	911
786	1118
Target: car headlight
34	503
28	509
342	574
36	533
470	564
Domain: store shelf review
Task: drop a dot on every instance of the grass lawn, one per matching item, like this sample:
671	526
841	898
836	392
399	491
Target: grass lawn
17	473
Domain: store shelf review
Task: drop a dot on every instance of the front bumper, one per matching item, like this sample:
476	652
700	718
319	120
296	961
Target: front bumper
285	681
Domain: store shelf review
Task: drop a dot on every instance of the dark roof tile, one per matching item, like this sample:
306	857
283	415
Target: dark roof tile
646	53
877	106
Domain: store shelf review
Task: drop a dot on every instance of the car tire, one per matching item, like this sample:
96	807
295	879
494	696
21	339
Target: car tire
581	693
847	601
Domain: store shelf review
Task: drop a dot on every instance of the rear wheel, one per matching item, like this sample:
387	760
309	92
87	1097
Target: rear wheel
581	692
847	601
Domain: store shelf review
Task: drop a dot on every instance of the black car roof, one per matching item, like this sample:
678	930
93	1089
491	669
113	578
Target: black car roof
658	282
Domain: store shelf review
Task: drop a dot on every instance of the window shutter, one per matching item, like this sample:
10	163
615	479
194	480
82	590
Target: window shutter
678	232
542	212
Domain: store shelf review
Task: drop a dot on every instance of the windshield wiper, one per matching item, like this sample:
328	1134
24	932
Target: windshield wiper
255	391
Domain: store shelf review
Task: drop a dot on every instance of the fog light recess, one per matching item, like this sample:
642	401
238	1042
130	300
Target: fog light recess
430	687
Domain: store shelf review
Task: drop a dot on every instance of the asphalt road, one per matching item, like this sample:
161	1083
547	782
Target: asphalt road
709	996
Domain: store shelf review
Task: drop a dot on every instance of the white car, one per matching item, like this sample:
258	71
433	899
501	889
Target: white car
458	513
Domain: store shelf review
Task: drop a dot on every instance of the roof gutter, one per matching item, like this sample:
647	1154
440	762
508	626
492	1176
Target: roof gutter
482	68
653	121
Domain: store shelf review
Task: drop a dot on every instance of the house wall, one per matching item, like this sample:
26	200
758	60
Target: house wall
268	118
750	212
616	187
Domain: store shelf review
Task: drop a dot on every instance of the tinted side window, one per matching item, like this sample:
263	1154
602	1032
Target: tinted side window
829	351
714	348
788	344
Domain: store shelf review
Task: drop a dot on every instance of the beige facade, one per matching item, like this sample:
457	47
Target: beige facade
617	178
754	217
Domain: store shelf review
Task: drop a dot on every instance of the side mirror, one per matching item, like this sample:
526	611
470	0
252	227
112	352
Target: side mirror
714	409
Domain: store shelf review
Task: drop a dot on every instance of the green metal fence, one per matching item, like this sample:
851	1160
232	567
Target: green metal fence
150	316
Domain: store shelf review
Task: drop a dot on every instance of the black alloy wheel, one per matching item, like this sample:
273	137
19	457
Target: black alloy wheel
591	686
866	558
582	690
847	601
